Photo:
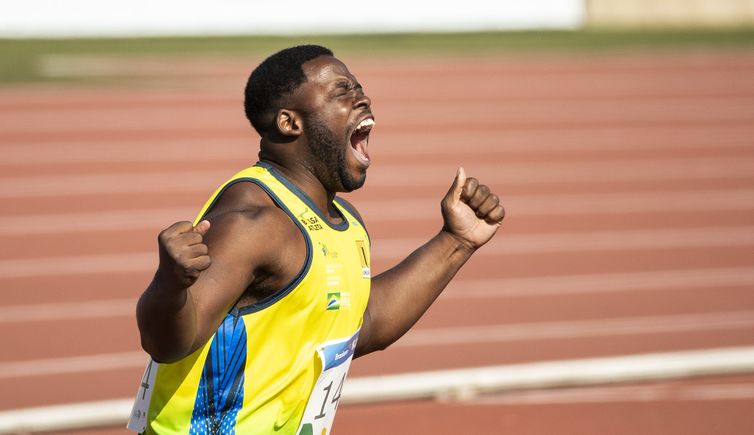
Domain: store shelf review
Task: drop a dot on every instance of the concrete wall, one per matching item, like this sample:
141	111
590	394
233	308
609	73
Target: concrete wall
669	13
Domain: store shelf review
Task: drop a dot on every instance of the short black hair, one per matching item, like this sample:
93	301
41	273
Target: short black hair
278	75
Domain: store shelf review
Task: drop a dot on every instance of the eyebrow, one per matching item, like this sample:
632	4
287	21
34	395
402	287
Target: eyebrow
348	81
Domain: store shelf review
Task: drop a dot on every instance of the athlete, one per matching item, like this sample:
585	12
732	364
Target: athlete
258	306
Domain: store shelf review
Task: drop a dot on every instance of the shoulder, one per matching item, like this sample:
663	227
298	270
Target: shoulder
245	213
245	200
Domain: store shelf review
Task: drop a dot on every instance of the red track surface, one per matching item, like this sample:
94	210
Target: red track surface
629	186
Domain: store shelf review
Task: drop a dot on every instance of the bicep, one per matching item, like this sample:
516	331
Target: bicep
238	246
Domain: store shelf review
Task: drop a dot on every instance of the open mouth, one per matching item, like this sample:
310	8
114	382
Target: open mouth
360	141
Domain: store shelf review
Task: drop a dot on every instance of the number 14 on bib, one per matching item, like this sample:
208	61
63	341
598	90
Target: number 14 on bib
336	358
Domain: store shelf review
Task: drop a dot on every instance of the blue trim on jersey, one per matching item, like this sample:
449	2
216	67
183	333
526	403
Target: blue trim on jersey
220	393
305	198
342	202
269	300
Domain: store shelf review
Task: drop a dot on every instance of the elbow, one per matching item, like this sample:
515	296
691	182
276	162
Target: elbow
148	345
376	333
376	344
157	340
160	348
381	344
161	354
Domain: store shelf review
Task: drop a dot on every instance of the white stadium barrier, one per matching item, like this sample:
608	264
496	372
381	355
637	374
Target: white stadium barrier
53	18
457	384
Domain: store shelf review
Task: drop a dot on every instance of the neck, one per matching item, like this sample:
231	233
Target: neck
302	175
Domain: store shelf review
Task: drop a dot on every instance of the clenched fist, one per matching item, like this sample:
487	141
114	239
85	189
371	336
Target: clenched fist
471	211
183	255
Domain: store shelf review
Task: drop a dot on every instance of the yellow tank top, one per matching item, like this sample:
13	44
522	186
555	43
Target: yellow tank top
276	366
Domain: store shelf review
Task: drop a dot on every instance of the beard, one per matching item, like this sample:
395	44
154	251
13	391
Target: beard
330	157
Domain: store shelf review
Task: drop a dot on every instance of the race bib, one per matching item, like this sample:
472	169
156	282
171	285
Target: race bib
138	420
336	358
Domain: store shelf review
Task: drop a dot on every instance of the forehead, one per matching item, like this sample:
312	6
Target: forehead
326	69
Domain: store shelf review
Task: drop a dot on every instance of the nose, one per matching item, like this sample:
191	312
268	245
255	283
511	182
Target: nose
362	101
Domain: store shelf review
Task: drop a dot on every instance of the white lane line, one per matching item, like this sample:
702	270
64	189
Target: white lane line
512	244
507	141
78	265
61	223
107	308
440	336
571	204
685	279
579	329
95	184
640	393
407	114
719	392
440	174
624	240
73	364
682	279
568	172
415	209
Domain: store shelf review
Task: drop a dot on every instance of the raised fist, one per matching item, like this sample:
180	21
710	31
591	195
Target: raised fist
471	211
183	255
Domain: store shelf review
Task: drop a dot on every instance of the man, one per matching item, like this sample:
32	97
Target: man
257	308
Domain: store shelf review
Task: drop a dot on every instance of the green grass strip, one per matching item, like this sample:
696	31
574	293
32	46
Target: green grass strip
20	58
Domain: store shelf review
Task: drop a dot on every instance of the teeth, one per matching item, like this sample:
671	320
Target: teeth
365	124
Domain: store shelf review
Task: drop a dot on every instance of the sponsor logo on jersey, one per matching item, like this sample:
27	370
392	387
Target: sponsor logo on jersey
363	258
326	251
333	301
311	222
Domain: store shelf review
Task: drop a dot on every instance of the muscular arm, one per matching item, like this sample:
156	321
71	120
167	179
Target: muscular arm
183	305
402	294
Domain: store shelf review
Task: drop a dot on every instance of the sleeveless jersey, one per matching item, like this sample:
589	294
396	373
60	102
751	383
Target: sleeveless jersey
276	366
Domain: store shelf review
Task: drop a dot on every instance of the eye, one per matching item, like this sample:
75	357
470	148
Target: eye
344	87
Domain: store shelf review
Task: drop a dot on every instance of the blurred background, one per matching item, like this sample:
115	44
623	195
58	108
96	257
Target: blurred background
619	134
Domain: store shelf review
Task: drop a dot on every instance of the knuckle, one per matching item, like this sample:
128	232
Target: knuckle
178	244
182	264
163	237
177	227
172	250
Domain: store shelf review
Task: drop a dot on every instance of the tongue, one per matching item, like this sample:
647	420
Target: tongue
359	143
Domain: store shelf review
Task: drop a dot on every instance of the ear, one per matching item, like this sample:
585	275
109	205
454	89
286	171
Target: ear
289	122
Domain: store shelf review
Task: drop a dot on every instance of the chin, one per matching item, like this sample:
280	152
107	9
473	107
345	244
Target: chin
350	183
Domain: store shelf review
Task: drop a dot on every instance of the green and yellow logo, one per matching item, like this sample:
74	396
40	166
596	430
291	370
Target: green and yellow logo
333	301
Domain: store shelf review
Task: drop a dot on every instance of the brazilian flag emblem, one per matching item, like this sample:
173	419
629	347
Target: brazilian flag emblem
333	301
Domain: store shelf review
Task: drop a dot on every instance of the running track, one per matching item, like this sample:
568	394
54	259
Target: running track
629	186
